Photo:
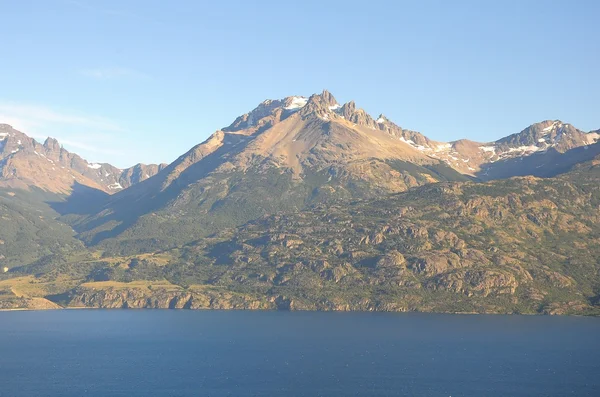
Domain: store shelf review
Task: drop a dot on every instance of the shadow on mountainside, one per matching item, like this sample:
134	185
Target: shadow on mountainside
124	209
83	200
542	164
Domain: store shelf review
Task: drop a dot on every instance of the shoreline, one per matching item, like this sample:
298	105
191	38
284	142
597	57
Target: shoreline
300	311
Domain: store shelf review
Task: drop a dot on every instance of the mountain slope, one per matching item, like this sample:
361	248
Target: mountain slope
29	229
537	150
25	163
540	145
305	203
39	183
521	245
280	157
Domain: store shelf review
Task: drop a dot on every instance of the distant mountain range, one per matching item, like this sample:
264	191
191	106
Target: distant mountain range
262	199
25	163
300	134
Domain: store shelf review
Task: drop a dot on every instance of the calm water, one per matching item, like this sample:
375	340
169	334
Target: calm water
213	353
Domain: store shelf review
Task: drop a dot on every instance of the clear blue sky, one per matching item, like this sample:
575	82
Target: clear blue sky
142	81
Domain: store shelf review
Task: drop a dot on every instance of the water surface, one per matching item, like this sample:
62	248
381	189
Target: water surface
237	353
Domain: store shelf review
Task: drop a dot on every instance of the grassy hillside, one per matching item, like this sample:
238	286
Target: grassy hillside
29	229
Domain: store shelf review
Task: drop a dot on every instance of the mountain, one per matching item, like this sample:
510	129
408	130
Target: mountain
25	163
543	149
519	245
540	145
306	203
39	183
289	153
281	156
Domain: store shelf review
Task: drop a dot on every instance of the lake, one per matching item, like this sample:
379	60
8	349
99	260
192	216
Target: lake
245	353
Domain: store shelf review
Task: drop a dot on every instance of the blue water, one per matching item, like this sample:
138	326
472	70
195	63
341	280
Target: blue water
233	353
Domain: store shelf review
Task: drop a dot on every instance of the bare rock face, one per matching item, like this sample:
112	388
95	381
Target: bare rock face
392	260
268	109
436	263
139	173
562	308
476	282
27	303
159	298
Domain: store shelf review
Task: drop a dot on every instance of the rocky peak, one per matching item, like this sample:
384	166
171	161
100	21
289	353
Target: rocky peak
13	141
547	134
139	173
51	144
382	119
348	109
356	116
321	105
24	162
328	98
267	108
324	100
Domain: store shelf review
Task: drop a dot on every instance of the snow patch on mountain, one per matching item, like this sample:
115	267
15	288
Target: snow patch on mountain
443	147
413	144
531	148
549	129
297	103
94	166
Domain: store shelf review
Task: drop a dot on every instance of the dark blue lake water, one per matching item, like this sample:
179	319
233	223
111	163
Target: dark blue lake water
220	353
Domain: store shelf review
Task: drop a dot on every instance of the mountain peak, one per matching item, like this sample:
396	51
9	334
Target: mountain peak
51	144
294	102
320	105
382	119
328	98
26	163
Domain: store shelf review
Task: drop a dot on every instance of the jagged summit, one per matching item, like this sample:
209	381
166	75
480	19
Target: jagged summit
323	105
52	144
382	119
283	155
26	163
468	157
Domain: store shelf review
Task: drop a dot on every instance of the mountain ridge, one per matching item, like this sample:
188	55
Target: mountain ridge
24	163
304	203
286	154
312	146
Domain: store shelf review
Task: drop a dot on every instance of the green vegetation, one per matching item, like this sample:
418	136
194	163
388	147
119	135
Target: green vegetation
523	245
29	229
